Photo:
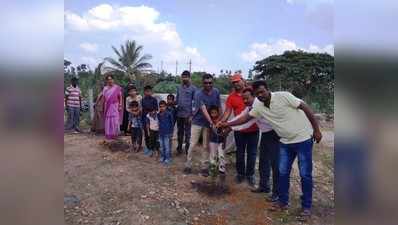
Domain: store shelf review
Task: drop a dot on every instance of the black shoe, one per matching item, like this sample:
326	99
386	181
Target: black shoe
239	179
260	190
179	151
204	172
187	170
251	181
272	198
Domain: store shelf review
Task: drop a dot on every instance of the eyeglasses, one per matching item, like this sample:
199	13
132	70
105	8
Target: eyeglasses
207	82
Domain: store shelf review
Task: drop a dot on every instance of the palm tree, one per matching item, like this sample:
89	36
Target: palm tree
129	62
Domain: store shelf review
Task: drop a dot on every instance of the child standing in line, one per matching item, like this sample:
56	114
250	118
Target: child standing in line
171	107
148	103
166	128
217	141
132	96
135	122
152	129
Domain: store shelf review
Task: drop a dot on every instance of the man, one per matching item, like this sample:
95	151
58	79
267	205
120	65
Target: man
184	100
73	103
246	140
296	125
201	121
269	148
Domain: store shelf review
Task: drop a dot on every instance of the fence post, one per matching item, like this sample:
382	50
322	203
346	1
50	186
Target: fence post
91	103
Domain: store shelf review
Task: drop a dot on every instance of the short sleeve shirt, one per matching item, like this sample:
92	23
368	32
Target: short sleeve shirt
73	96
207	99
289	122
236	103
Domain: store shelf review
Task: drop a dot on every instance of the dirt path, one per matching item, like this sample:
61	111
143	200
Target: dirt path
130	188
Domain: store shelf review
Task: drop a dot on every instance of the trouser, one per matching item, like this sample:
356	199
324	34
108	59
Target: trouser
287	155
196	131
183	131
153	140
269	160
73	118
246	142
136	136
165	152
217	154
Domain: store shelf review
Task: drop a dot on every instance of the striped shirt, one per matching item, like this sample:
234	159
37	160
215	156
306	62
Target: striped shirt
73	96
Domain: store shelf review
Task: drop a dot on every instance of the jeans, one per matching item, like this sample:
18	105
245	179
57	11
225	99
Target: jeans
73	118
287	155
183	131
246	142
136	136
269	160
165	151
196	131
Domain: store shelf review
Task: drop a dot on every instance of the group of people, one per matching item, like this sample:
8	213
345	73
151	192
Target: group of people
286	125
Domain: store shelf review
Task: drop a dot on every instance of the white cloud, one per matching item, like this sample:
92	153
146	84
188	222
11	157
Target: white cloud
89	47
138	23
259	51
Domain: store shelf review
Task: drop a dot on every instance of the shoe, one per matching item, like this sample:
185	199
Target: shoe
161	160
304	215
179	150
259	190
251	181
204	172
272	198
167	162
187	170
277	206
239	179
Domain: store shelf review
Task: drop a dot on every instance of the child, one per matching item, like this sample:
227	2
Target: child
132	96
166	127
152	129
171	107
148	103
216	138
135	122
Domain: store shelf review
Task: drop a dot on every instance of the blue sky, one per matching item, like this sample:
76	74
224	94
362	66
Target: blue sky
215	35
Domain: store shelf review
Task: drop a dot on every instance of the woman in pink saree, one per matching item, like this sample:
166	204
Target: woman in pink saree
113	110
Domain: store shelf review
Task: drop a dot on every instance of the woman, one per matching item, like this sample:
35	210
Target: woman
113	107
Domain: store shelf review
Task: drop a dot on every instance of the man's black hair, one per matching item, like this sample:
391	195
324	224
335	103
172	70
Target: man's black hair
148	87
256	84
213	107
248	89
171	96
207	76
134	104
186	73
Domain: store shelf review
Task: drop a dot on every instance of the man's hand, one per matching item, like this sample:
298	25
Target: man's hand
317	135
222	124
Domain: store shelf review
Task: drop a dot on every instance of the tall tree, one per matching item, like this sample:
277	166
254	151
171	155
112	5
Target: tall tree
129	61
308	75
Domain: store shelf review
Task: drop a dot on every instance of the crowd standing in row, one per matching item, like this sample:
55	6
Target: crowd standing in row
287	126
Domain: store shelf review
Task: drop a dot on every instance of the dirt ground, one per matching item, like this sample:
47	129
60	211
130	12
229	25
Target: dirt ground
105	188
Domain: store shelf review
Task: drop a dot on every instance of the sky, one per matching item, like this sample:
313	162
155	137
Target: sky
214	34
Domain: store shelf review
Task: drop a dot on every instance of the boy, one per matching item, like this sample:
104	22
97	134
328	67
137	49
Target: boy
73	103
152	129
135	123
132	96
166	127
216	138
148	103
171	107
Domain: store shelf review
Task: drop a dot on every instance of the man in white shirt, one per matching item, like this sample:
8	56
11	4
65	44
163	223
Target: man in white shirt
297	127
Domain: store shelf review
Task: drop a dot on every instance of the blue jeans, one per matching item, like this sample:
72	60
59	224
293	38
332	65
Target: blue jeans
246	142
73	118
287	155
165	151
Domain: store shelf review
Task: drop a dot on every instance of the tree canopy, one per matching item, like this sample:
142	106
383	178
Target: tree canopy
307	75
